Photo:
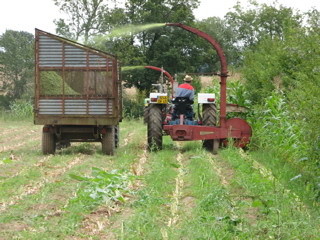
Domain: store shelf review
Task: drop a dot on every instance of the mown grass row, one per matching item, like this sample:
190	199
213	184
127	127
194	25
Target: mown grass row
279	212
151	209
234	195
49	213
250	204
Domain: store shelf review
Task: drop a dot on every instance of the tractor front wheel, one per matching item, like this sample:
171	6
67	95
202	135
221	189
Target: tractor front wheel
155	127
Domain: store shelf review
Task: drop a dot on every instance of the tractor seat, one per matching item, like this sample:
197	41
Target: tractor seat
183	106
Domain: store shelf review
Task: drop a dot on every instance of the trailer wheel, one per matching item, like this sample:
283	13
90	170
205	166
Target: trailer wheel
209	118
155	127
116	136
108	141
48	143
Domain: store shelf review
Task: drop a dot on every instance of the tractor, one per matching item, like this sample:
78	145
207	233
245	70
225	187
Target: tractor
161	95
212	129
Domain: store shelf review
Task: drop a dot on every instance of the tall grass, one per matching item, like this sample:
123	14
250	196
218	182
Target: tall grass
275	128
19	110
133	106
279	130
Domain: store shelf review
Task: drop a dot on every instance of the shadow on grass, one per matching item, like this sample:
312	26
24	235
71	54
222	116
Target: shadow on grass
83	148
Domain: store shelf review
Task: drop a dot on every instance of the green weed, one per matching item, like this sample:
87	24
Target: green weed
102	187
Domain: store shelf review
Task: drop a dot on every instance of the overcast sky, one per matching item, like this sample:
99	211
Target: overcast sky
25	15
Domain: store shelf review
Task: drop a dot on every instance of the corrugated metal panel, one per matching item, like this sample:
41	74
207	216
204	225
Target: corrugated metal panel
52	51
76	106
50	106
75	57
72	106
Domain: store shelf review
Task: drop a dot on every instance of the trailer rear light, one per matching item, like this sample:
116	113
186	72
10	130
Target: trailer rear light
154	99
103	131
210	99
45	129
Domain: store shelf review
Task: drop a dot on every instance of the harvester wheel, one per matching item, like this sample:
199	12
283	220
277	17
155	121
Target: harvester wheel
108	141
209	118
155	127
48	143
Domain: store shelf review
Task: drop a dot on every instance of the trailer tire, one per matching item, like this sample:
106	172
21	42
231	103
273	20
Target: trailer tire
116	136
108	141
48	143
155	127
209	118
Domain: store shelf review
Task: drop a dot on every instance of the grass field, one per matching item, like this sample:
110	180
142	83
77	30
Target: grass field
181	192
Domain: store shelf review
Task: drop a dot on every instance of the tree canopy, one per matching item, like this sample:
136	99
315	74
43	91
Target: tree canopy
16	62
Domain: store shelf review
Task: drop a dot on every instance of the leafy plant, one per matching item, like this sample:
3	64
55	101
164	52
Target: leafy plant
102	187
21	109
133	106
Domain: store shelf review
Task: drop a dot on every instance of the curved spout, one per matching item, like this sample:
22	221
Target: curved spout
165	72
211	40
223	70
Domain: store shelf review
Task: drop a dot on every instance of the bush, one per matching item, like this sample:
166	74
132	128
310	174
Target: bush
283	81
133	106
21	109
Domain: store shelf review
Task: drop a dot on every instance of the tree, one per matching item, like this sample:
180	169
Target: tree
260	21
86	17
16	62
223	34
171	48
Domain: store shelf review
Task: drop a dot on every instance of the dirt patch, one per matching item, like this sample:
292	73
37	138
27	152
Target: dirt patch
188	202
138	168
35	187
252	215
13	227
17	146
177	194
13	171
98	223
9	131
224	172
127	139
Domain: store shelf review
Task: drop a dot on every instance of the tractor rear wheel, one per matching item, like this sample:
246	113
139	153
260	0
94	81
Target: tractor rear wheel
48	143
209	118
145	115
108	141
155	127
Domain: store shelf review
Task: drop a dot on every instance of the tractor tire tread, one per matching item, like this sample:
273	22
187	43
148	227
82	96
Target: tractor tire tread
209	118
155	128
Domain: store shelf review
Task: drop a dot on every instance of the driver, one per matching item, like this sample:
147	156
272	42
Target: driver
186	91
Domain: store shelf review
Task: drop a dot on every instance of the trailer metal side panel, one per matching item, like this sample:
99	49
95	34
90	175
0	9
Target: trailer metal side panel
75	84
